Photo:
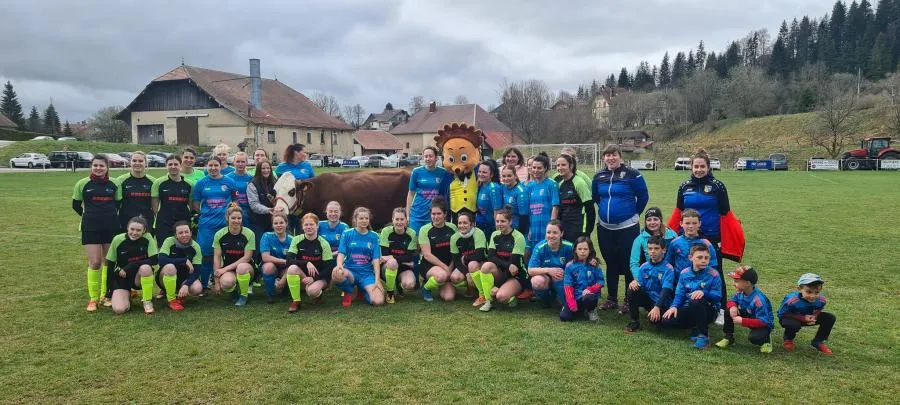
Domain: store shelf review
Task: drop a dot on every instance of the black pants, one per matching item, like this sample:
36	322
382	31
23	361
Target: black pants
825	321
757	336
696	315
615	246
637	300
587	303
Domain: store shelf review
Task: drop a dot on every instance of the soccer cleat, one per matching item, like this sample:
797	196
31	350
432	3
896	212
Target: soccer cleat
632	327
426	295
593	316
91	306
486	307
822	347
295	306
106	302
513	302
623	309
176	305
788	345
391	298
724	343
702	342
148	307
479	302
766	348
270	299
609	304
241	301
720	319
525	295
347	300
359	295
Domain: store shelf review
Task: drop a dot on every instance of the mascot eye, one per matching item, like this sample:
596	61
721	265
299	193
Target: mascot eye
464	157
292	192
450	158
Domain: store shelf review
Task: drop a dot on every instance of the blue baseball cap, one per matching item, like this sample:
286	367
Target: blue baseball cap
809	278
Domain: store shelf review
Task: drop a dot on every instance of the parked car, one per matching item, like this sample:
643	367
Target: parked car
355	161
67	138
683	163
375	160
126	155
84	159
336	161
42	138
414	160
741	162
155	160
715	164
116	160
779	161
202	159
164	155
62	158
30	160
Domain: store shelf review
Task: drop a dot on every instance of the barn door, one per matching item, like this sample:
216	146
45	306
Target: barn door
188	133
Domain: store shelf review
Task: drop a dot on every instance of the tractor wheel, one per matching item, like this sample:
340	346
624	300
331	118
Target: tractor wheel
852	164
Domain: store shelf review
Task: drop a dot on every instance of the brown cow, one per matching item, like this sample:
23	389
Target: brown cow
379	190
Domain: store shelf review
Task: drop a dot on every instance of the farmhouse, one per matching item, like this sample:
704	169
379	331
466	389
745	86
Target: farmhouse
6	122
387	119
195	106
422	127
372	141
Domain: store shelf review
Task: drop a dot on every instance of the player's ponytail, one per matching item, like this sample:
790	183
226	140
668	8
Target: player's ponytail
232	208
701	154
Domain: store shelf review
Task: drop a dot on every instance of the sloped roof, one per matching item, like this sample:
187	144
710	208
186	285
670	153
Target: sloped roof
501	139
6	122
425	122
377	140
282	105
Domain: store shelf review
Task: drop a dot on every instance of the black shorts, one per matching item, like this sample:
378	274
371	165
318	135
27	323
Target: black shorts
182	275
115	282
324	276
98	237
279	269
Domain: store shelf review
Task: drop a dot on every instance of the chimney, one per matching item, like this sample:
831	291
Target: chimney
432	107
255	85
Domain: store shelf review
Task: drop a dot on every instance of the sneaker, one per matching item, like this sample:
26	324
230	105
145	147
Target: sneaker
391	297
426	295
241	301
724	343
359	295
720	319
106	302
632	327
766	348
486	307
788	345
623	309
822	347
176	305
91	306
270	299
702	342
593	316
347	300
525	295
479	301
609	304
513	302
148	307
295	306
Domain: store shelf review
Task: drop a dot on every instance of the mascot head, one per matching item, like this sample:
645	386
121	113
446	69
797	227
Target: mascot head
461	146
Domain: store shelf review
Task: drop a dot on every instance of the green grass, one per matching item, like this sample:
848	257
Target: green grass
841	225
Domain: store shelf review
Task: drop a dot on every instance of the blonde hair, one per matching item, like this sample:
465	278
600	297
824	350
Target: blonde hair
309	216
360	210
232	208
241	154
222	147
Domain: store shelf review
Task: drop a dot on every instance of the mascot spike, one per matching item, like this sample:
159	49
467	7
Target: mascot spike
459	130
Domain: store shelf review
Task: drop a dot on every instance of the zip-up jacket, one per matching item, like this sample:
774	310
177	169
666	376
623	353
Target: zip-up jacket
579	276
755	309
621	195
639	254
658	282
706	280
795	307
709	197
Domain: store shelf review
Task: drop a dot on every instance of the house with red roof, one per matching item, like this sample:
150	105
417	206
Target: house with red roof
421	128
375	141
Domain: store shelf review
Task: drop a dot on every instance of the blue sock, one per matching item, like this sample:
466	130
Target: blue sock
346	286
205	274
269	280
542	294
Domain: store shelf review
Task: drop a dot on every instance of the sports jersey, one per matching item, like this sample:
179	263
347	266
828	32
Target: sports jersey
516	198
465	249
402	246
439	240
224	171
709	197
174	201
315	251
508	249
123	251
490	199
135	195
301	171
332	235
579	276
359	250
195	176
542	197
621	196
269	243
755	308
654	278
214	196
543	256
173	252
231	246
639	253
573	193
794	303
240	184
690	280
99	199
679	253
425	185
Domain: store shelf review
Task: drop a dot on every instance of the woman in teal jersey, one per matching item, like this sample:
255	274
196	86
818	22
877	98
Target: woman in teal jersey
296	163
211	196
332	227
490	195
425	183
358	261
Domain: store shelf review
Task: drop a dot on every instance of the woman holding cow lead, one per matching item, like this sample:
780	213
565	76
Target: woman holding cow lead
358	261
310	263
426	183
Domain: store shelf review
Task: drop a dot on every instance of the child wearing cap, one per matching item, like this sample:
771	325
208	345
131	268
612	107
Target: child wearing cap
697	297
804	308
750	308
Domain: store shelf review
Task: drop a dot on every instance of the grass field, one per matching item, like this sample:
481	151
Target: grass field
841	225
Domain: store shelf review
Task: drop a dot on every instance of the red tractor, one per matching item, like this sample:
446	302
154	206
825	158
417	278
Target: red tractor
870	151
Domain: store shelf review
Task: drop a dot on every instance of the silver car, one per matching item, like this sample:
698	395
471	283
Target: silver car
30	160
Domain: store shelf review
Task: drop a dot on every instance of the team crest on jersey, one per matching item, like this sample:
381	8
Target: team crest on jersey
702	285
369	245
437	179
541	192
224	188
659	276
622	175
589	273
337	236
707	188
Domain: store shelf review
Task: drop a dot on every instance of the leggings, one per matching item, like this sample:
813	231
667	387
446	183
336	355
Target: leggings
615	246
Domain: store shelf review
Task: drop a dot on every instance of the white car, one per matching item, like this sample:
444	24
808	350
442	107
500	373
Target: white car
30	160
67	138
43	138
715	164
355	161
683	163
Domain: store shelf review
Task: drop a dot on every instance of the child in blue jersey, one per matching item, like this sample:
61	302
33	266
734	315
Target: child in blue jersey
543	203
805	308
653	225
332	227
426	183
294	161
582	282
490	195
653	285
679	250
211	196
515	198
547	264
273	247
241	179
179	262
697	297
358	261
750	308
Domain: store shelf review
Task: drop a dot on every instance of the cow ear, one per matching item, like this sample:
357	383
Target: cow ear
304	186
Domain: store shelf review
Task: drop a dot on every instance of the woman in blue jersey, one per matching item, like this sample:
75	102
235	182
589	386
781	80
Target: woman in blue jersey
179	266
547	264
653	226
130	262
621	196
211	196
515	199
310	263
425	183
332	227
273	248
490	195
241	178
543	203
220	152
358	261
171	199
576	209
294	161
233	248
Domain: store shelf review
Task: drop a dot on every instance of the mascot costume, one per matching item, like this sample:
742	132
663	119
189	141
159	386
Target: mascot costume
460	144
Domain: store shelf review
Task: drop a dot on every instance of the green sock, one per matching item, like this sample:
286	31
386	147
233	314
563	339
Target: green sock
431	284
293	283
461	284
93	283
170	282
476	279
243	281
104	273
487	283
390	279
147	288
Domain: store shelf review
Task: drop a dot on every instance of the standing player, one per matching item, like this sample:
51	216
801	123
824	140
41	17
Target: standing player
515	198
576	208
468	246
260	193
220	152
188	157
490	195
543	198
546	267
179	266
294	161
505	262
241	179
332	227
171	196
233	248
309	262
425	183
130	262
399	246
434	241
135	191
513	159
210	197
273	249
94	199
259	155
358	261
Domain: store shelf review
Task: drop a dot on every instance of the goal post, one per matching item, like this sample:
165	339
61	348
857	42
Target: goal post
587	155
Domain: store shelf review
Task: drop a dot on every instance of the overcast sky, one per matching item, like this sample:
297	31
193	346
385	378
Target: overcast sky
89	54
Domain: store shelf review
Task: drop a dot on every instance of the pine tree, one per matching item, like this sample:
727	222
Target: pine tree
880	62
711	61
700	58
779	65
665	72
679	69
624	80
611	81
691	63
804	39
883	15
580	94
837	28
10	107
51	121
595	87
732	58
67	129
34	121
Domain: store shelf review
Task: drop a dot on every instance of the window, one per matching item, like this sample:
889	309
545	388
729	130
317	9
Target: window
322	138
407	145
294	137
308	138
333	138
271	136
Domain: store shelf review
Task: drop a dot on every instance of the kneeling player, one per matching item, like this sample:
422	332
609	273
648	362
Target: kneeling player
130	261
233	248
179	266
273	247
309	262
505	262
468	247
653	285
400	244
697	297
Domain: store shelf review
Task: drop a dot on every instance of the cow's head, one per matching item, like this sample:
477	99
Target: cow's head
289	193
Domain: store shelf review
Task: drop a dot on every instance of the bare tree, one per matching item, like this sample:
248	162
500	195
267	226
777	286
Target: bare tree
460	99
748	92
835	120
327	103
104	126
416	104
522	105
699	92
355	115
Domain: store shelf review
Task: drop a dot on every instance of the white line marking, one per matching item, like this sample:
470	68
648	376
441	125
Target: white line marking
823	179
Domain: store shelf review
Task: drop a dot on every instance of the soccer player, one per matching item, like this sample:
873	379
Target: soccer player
294	161
332	227
259	155
513	159
220	153
241	179
358	261
467	246
490	195
94	198
543	198
179	266
426	183
505	262
188	157
273	248
582	283
653	226
171	199
749	308
399	246
434	242
696	297
546	267
515	198
310	262
233	248
653	285
130	262
678	252
135	191
805	308
210	197
576	208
